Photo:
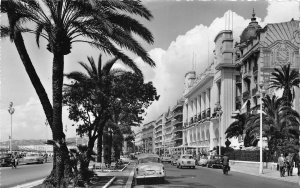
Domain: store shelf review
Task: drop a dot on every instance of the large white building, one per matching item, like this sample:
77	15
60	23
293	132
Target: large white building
232	80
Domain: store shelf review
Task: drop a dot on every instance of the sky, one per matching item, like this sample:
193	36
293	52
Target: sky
180	29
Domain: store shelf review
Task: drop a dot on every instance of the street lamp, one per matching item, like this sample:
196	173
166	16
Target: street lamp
11	111
261	92
219	113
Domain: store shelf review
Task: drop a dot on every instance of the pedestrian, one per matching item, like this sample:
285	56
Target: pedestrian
290	163
13	161
281	163
225	163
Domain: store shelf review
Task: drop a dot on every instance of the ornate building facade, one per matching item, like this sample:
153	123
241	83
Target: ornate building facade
234	79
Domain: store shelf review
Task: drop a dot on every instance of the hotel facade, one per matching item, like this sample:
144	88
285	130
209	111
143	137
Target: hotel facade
234	80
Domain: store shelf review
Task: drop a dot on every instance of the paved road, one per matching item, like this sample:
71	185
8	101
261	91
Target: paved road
213	178
23	174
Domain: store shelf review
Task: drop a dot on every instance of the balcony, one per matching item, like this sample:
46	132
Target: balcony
255	68
177	137
246	95
208	112
254	91
247	75
186	124
203	114
238	80
199	116
177	129
178	113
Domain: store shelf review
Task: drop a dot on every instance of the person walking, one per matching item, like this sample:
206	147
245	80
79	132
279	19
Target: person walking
13	161
290	164
281	163
225	163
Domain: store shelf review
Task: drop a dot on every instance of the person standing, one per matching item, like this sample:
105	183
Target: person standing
225	163
290	164
281	163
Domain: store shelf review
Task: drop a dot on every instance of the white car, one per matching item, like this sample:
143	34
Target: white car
33	158
186	160
166	158
149	166
125	159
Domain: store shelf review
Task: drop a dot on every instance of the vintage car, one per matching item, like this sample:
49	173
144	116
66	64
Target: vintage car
186	160
203	160
33	158
149	166
174	159
5	159
166	158
125	159
215	161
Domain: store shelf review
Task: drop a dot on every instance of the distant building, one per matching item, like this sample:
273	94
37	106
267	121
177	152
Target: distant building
177	123
158	134
168	141
147	137
138	141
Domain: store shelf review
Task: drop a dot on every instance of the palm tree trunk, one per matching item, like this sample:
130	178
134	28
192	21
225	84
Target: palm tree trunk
99	145
61	171
34	78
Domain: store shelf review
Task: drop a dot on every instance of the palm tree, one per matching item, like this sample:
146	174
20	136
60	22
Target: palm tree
105	25
280	123
98	82
238	127
286	79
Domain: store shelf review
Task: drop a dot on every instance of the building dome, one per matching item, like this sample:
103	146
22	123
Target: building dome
250	31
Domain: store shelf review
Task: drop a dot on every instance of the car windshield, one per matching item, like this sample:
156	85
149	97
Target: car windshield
187	157
149	159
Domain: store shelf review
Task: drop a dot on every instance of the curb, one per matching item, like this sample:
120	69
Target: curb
110	182
129	181
30	184
121	170
270	177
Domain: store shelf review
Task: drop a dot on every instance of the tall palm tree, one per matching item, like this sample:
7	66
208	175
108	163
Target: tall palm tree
105	25
280	122
285	78
98	82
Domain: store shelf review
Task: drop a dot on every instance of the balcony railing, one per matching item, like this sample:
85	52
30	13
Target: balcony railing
254	91
177	137
246	95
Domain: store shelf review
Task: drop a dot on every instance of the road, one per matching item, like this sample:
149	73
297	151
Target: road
213	178
23	174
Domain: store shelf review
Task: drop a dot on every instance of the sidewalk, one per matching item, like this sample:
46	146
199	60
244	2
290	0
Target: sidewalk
267	173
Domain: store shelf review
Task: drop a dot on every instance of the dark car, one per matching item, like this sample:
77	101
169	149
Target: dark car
5	159
215	162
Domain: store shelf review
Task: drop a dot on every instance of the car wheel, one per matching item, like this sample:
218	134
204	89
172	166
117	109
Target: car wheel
180	166
194	167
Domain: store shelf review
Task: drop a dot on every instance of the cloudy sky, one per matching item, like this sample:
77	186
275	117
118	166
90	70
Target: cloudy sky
180	29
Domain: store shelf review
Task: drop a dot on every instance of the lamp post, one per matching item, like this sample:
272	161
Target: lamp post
219	112
11	111
261	92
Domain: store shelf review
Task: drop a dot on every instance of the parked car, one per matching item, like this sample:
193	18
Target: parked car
203	160
5	159
125	159
186	160
149	166
166	158
33	158
174	159
215	161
